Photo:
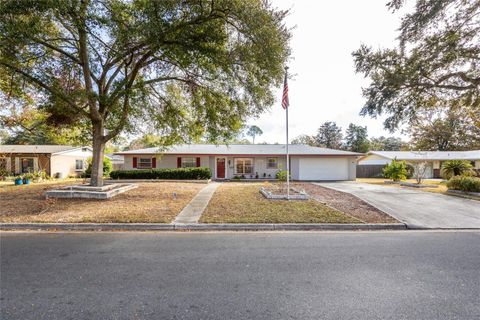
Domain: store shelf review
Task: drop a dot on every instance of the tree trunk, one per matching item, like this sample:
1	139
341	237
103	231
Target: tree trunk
96	178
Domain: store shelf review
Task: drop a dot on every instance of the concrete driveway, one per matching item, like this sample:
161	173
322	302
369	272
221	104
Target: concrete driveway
417	209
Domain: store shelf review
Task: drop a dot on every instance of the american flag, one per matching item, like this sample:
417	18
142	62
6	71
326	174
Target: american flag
285	102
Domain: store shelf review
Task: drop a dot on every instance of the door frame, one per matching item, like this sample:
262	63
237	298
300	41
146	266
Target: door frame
216	176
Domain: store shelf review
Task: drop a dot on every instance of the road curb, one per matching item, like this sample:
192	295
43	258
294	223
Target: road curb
197	227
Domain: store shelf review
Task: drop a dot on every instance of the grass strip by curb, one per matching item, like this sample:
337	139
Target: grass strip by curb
196	227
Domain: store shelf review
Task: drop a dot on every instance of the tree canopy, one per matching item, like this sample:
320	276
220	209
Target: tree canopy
329	135
435	64
444	132
356	138
304	139
186	68
254	131
32	126
387	144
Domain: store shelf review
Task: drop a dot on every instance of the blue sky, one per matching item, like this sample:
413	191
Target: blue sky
324	85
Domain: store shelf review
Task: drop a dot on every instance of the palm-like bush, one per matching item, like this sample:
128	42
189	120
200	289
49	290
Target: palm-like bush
457	168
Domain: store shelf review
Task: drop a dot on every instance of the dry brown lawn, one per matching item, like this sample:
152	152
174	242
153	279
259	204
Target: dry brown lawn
149	203
243	203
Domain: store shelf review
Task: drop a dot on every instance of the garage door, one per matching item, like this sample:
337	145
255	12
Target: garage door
323	169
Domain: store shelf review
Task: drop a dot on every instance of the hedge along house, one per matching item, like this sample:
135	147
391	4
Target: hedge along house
373	162
57	160
260	161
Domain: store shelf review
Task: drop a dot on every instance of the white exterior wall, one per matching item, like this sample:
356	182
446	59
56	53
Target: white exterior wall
327	168
308	168
163	161
477	164
259	166
428	172
374	159
63	164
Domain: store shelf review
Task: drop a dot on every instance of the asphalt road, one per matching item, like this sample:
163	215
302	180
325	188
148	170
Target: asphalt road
362	275
415	208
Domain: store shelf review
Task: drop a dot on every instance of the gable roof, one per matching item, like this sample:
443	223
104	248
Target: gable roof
428	155
51	149
242	149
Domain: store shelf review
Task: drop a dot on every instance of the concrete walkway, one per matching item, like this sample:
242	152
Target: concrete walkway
192	212
417	209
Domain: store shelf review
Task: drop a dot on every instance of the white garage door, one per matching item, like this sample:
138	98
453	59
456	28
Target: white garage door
323	169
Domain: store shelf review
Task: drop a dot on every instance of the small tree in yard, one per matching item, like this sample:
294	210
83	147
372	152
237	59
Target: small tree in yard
188	69
419	170
456	168
395	170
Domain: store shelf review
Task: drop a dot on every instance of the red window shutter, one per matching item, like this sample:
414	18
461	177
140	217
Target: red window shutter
179	162
198	161
154	163
134	162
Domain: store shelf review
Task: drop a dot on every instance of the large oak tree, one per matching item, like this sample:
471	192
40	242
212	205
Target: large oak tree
436	64
186	68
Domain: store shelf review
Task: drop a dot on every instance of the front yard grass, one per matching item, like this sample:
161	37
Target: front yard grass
243	203
441	185
150	203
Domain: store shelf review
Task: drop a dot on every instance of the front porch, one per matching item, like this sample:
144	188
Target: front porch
227	168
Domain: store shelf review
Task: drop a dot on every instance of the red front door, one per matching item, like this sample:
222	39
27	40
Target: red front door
220	168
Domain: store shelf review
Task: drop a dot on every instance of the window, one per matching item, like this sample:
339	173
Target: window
27	165
272	163
189	162
79	165
145	163
3	163
243	166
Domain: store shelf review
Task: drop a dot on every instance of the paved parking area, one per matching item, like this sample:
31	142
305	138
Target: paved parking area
417	209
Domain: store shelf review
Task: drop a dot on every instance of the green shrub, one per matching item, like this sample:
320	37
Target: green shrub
464	183
457	168
410	171
395	170
200	173
107	167
4	173
281	175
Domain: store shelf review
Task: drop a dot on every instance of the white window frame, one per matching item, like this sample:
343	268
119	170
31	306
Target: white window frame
268	165
189	162
243	160
77	161
147	163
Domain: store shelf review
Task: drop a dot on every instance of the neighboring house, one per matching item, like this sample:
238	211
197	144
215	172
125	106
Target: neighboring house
373	162
248	161
117	161
57	161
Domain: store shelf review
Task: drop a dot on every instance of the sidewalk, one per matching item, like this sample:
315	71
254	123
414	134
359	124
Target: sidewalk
192	212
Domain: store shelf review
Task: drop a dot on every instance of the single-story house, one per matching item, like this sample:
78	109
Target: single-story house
373	162
249	161
117	161
57	160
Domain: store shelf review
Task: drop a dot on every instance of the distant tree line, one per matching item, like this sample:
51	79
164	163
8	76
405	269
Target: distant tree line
329	135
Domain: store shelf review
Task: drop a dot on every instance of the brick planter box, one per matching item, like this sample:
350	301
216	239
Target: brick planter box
89	192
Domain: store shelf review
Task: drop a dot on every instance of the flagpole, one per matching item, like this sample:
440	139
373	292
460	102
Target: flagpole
286	146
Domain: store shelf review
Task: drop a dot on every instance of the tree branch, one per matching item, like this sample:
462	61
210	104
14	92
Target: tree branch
43	85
